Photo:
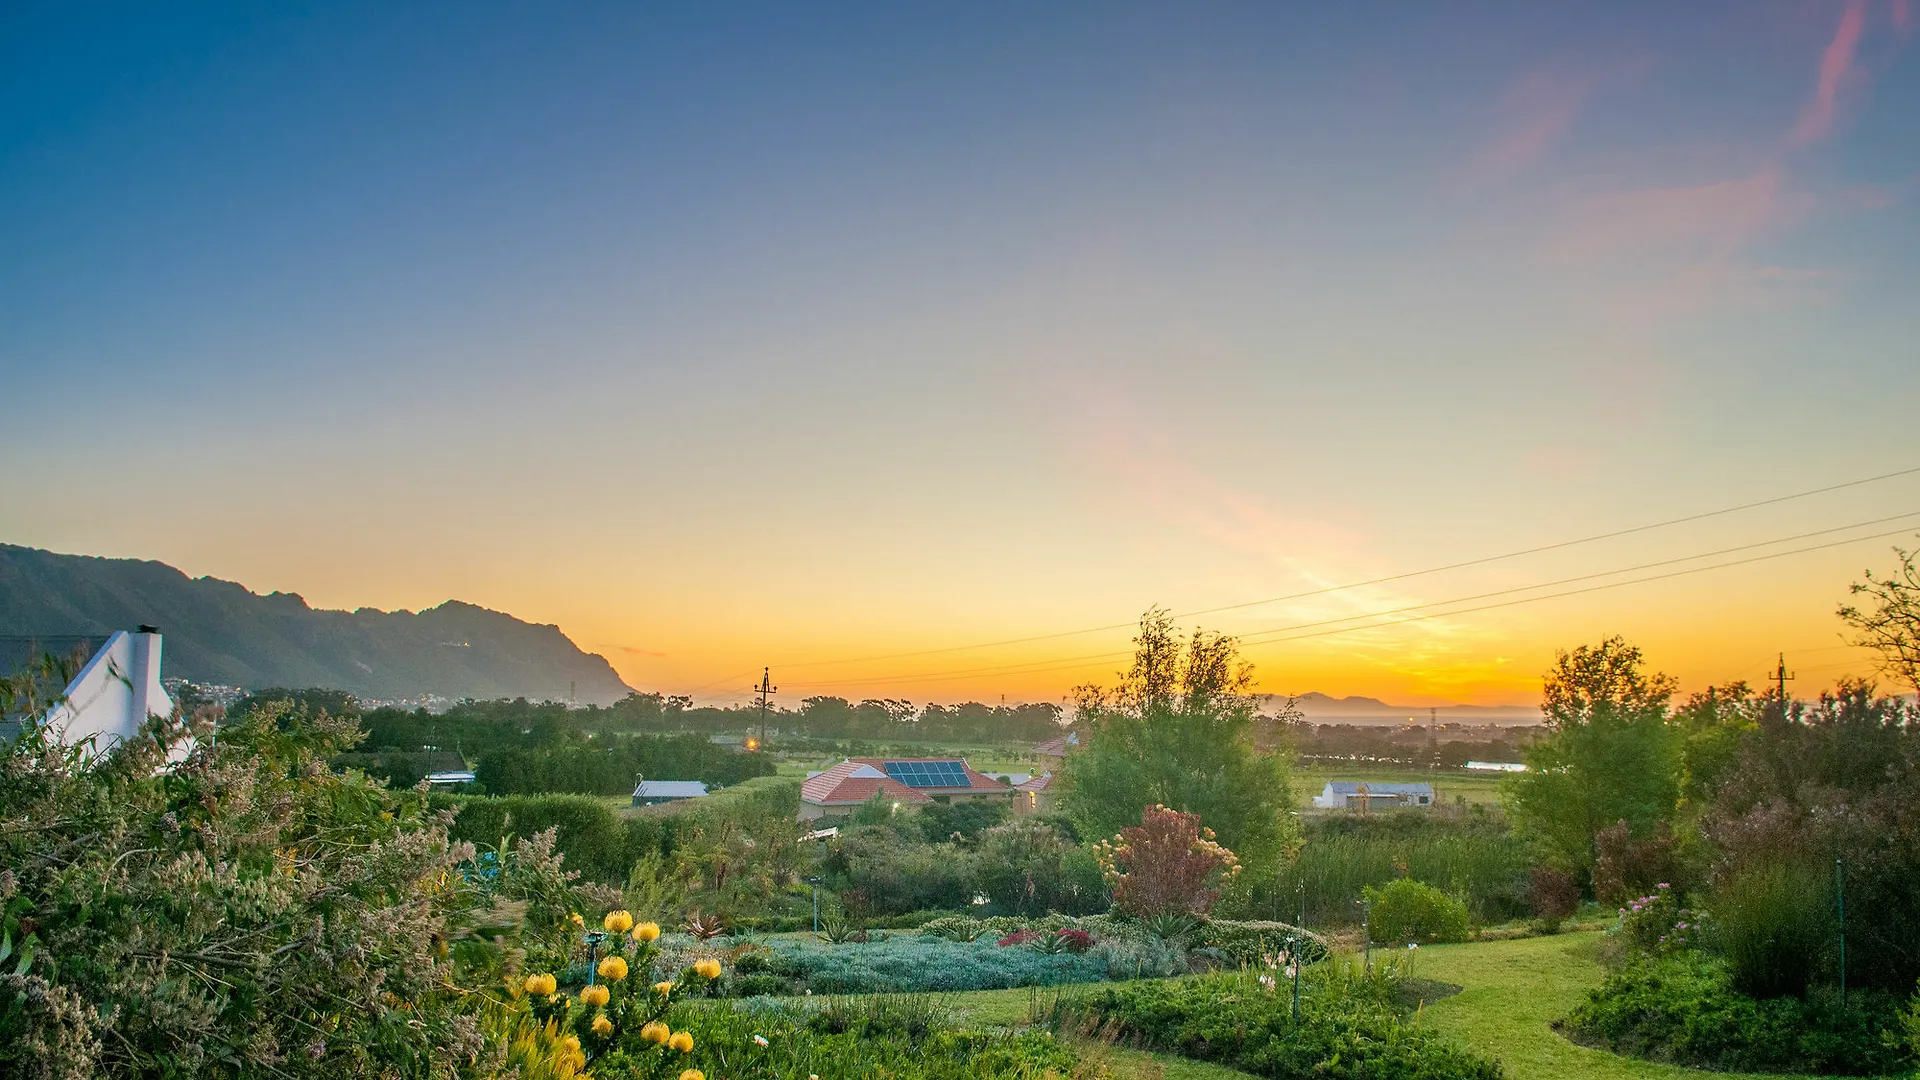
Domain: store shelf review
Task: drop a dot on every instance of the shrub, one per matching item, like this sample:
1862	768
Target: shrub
1775	926
954	928
1167	864
919	963
1250	943
589	835
1411	911
1475	858
1684	1009
1347	1026
1027	867
1554	895
1625	866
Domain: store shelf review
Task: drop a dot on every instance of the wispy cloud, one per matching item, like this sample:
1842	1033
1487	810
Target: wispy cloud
1836	73
1533	116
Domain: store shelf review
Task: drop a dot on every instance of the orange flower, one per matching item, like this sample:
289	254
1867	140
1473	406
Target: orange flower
663	988
655	1032
682	1041
595	996
539	985
613	968
602	1026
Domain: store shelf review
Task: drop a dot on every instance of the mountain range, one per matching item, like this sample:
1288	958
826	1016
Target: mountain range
220	632
1322	708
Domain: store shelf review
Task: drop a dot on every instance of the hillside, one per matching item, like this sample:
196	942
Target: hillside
219	632
1323	709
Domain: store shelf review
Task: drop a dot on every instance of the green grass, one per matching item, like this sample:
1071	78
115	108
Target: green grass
1512	991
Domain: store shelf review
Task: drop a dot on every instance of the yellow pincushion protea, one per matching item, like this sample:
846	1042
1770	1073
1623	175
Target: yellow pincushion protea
655	1032
682	1041
602	1026
692	1074
663	988
542	985
595	996
707	969
576	919
618	922
613	968
646	931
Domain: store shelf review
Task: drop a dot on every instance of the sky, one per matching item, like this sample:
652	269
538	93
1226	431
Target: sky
887	345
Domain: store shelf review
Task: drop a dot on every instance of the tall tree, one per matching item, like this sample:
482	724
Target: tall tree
1890	623
1610	755
1177	732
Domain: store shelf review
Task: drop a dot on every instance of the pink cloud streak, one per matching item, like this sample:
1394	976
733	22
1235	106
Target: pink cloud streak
1816	120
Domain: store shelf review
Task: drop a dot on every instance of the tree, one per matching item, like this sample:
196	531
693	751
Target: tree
1610	755
1177	732
1169	864
1891	624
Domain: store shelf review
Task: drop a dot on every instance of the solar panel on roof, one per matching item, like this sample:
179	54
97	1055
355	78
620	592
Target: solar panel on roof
928	774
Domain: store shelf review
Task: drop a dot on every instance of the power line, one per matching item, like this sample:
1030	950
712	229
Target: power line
1262	637
1379	580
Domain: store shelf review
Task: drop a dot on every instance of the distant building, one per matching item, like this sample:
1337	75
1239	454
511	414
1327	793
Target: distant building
449	779
1035	796
1360	795
652	792
1058	747
837	791
1495	766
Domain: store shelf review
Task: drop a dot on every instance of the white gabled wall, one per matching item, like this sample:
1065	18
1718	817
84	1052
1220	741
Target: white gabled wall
114	694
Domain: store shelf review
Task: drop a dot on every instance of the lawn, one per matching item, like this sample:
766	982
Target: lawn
1513	990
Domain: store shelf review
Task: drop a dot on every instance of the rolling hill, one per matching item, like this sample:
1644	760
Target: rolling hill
220	632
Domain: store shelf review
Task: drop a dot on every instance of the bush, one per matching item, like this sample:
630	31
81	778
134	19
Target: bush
1475	858
1554	895
1411	911
1250	943
1028	867
591	838
1684	1009
1775	926
1169	864
1347	1029
892	872
918	963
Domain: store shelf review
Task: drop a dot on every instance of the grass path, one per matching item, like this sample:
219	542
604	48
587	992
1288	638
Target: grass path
1514	990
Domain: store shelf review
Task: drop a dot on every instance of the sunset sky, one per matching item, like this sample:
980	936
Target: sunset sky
815	335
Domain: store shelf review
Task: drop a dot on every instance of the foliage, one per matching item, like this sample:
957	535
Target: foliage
247	909
612	765
901	1038
1890	622
1609	755
1775	925
912	963
1027	867
1411	911
960	820
1625	866
594	840
1554	895
1178	732
1476	858
1683	1008
1250	943
1168	864
1656	924
1839	776
1347	1026
894	872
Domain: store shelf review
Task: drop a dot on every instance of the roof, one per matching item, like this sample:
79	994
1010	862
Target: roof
669	789
1038	783
1058	747
460	776
934	776
1352	787
853	782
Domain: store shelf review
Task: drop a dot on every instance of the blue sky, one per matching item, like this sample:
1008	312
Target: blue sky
732	335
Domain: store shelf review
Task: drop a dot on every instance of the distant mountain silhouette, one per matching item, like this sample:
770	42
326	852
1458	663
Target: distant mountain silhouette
219	632
1323	708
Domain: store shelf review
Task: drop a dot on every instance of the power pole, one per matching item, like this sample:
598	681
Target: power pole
765	689
1781	678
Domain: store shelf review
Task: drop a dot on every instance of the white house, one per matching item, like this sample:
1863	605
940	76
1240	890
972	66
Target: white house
1496	766
1360	795
115	694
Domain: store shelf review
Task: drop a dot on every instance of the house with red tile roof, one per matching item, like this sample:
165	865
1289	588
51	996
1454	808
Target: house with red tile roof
837	791
1036	795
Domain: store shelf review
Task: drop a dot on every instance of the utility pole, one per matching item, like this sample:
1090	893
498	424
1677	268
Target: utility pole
1840	902
1781	678
765	689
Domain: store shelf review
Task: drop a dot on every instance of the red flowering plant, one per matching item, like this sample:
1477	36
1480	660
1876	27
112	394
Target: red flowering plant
1169	864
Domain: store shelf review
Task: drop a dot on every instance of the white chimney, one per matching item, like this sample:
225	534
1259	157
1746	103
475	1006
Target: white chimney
114	695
